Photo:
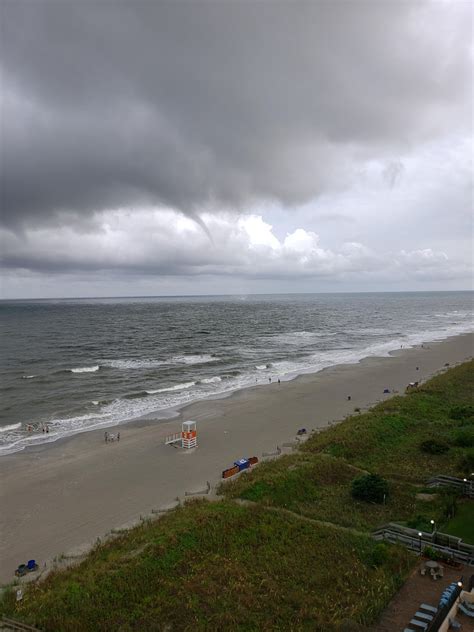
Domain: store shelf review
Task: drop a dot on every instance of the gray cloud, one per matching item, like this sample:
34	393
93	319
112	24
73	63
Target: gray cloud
209	105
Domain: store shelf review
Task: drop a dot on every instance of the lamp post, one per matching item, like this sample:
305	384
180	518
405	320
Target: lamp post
420	535
432	526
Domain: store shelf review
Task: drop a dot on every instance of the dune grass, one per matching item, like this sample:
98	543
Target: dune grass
219	566
319	487
387	439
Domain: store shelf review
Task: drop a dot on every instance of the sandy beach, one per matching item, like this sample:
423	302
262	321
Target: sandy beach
58	498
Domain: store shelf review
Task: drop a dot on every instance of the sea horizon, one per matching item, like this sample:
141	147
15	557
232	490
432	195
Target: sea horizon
231	294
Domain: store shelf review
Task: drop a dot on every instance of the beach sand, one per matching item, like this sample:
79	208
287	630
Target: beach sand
58	498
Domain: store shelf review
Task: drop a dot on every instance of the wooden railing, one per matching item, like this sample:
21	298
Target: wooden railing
450	546
465	487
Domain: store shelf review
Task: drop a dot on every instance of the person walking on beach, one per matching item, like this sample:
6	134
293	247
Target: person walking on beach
118	436
106	436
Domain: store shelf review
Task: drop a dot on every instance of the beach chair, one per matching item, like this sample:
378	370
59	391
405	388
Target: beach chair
32	566
21	570
466	611
422	616
423	571
416	623
427	608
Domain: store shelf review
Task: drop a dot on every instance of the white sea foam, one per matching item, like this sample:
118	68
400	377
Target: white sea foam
193	359
10	427
211	380
95	402
85	369
133	364
261	367
148	363
28	377
171	389
300	337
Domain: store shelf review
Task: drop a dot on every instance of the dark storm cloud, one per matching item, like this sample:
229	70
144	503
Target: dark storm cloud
109	104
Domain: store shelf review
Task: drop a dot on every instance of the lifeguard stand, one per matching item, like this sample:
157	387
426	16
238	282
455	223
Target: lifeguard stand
188	434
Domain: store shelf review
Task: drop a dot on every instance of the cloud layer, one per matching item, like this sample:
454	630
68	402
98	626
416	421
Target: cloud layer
211	104
210	110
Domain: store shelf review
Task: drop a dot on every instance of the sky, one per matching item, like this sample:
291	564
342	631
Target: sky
233	147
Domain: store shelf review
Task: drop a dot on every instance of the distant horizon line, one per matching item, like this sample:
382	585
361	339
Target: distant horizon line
76	298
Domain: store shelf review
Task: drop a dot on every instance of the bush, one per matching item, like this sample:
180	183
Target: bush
462	413
371	488
434	446
420	523
378	555
466	462
431	553
464	438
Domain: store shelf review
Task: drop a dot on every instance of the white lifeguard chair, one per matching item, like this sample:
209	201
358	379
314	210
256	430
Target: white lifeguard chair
188	434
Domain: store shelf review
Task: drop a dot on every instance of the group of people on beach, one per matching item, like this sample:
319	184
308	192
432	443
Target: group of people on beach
110	437
31	427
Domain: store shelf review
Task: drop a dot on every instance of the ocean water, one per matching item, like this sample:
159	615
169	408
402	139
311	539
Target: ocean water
78	365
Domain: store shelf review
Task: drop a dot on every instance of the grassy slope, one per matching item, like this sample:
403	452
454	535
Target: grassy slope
224	566
220	566
319	487
386	439
316	481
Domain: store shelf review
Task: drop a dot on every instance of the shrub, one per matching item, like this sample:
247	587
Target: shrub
434	446
371	488
462	413
466	462
420	523
433	554
378	555
464	438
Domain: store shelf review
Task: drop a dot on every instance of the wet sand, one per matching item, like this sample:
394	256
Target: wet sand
58	498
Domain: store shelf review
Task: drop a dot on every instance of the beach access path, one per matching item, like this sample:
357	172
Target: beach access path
58	498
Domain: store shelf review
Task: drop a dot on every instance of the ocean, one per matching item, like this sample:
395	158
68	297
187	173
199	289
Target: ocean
75	365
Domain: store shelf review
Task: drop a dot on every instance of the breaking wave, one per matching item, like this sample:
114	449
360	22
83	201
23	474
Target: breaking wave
171	389
10	427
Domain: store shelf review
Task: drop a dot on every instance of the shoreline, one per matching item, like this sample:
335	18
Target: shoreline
59	497
165	415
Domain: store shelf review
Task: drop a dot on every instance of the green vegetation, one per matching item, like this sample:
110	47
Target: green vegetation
220	566
289	545
462	524
326	492
370	488
387	439
434	446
